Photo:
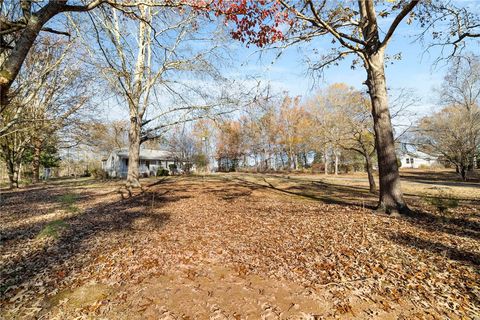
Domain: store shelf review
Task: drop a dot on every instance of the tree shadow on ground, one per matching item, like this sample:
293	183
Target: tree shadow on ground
448	178
52	184
457	226
37	206
443	183
16	201
437	248
359	198
44	199
318	191
73	240
231	191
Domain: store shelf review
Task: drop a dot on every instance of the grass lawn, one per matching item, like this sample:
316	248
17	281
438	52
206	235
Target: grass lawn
240	246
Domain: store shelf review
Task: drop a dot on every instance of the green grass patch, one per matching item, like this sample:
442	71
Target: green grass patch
68	198
68	201
52	229
72	208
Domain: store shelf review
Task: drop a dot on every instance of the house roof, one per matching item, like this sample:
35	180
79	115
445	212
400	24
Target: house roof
149	154
406	152
419	155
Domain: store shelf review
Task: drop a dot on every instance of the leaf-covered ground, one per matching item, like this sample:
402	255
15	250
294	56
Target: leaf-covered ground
234	247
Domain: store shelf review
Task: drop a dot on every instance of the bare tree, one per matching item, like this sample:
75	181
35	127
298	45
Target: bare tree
12	151
454	132
461	86
45	99
349	124
21	22
103	136
181	142
449	26
144	61
66	91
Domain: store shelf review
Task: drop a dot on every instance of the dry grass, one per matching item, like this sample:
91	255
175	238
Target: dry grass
233	247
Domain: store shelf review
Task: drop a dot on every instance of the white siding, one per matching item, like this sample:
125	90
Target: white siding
116	165
415	163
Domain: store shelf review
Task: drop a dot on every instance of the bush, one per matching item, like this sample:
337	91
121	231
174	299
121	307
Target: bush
318	167
173	168
200	161
161	172
437	165
98	173
28	174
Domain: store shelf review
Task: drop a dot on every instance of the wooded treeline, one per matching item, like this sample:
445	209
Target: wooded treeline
286	133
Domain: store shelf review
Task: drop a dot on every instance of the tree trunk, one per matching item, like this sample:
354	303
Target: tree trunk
291	160
472	163
391	197
463	172
326	161
12	174
336	162
265	156
134	153
37	150
14	61
371	179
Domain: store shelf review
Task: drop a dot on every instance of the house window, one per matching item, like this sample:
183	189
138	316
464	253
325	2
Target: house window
408	160
147	163
411	160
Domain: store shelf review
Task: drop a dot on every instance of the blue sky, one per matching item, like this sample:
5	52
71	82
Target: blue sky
415	71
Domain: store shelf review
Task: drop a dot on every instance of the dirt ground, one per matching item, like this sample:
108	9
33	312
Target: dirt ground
239	246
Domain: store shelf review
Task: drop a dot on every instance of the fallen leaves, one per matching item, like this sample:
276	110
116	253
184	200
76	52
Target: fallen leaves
340	252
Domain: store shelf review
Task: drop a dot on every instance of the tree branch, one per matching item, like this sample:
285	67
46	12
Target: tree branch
405	11
50	30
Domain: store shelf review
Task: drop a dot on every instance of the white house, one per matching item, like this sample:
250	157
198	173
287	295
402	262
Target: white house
116	165
417	159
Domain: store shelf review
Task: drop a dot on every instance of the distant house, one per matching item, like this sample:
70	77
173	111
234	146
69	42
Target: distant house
416	159
116	165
